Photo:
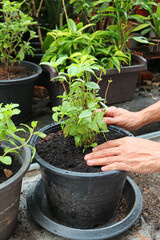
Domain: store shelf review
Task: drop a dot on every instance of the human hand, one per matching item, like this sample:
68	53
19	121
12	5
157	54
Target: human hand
123	118
128	153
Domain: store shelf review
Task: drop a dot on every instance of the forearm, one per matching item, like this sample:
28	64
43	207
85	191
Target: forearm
149	115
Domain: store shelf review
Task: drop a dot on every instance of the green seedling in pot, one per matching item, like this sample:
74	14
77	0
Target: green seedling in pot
8	132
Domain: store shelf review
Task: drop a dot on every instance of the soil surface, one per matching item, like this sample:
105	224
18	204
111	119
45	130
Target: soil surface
66	155
18	71
7	171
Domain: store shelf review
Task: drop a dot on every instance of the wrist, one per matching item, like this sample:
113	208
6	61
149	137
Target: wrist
141	119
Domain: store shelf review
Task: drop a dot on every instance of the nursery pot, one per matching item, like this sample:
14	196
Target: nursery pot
124	83
120	90
78	199
20	91
10	194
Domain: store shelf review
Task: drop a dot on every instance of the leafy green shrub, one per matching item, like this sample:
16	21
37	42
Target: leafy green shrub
61	46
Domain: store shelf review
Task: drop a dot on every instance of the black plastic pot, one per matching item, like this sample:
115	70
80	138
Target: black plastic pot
81	200
121	89
20	91
10	194
40	211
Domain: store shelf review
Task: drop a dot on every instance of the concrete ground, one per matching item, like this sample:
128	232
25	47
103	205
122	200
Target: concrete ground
27	229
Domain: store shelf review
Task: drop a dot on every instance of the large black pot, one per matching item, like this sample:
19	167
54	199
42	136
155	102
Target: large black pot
20	91
81	200
124	83
121	89
10	191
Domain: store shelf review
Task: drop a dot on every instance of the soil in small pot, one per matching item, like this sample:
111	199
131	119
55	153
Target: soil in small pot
7	171
17	72
61	152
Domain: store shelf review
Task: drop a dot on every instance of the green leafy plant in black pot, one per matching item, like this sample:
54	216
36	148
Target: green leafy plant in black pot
16	76
70	185
15	158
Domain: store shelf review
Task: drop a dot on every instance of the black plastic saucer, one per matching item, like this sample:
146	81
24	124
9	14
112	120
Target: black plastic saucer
39	210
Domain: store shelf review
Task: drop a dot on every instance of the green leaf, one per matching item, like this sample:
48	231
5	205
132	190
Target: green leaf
94	126
34	124
61	60
77	139
92	104
158	11
104	105
15	112
73	70
92	85
66	130
93	145
73	129
140	39
6	160
33	152
85	114
72	25
140	27
55	116
40	134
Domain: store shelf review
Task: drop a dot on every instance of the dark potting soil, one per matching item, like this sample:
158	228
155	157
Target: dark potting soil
17	72
7	171
61	152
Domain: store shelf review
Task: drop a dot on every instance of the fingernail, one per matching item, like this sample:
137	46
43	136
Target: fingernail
86	157
89	162
94	149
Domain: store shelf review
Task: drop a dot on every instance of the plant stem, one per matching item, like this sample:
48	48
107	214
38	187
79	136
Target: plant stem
19	147
109	82
65	11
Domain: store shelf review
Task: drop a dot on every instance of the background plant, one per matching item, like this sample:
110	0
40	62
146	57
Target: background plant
49	15
8	132
80	103
117	17
85	10
14	24
62	45
153	18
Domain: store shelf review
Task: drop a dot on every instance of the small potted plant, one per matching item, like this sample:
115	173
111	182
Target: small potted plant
78	196
15	158
16	76
109	46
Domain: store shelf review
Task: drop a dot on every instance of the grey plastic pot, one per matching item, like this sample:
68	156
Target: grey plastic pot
20	91
10	194
81	200
121	89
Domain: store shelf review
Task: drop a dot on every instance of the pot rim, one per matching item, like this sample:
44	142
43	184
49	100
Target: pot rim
141	65
29	64
21	172
59	171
